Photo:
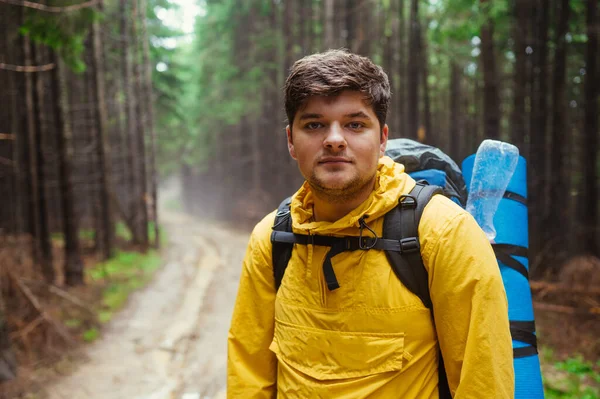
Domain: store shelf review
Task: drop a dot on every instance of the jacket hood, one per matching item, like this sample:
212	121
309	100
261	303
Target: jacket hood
391	181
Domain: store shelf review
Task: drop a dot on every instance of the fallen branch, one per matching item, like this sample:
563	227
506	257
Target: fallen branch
73	299
34	302
26	68
566	309
7	136
29	328
64	295
552	287
46	8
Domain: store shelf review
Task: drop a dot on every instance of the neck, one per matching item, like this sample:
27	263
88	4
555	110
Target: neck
330	209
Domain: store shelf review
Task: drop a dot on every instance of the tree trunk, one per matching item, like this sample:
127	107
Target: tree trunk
491	98
394	67
103	144
307	26
589	208
454	101
132	198
401	103
33	188
389	57
339	20
43	238
470	118
518	131
413	71
536	171
288	34
142	119
427	130
329	23
73	264
15	116
560	144
351	22
364	26
151	131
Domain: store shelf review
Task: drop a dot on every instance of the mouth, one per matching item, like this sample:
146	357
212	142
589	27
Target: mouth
334	160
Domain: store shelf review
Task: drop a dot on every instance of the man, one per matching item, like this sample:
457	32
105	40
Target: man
371	337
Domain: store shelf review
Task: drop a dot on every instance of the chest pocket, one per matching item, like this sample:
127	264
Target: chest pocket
332	355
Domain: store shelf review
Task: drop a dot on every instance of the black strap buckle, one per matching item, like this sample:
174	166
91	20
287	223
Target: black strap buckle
409	245
366	243
407	201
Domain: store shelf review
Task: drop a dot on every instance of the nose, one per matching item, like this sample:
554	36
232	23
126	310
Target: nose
335	139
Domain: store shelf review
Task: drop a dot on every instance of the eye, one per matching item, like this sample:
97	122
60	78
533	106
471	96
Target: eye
313	125
356	125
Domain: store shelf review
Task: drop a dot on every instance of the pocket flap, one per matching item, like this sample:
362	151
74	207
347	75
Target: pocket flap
326	354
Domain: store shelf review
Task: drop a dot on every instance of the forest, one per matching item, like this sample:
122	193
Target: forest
104	101
522	71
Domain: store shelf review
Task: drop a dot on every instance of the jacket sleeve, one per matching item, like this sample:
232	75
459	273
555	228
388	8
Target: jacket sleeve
251	366
470	308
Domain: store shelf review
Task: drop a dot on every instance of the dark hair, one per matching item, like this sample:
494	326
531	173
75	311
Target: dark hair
330	73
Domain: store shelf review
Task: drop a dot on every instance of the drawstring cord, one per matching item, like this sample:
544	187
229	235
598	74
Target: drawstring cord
363	225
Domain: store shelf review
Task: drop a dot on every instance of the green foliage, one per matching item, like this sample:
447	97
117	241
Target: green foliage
162	235
213	82
73	323
64	32
171	81
122	231
573	378
125	273
91	334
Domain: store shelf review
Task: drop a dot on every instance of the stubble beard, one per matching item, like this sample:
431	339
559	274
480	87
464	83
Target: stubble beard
345	193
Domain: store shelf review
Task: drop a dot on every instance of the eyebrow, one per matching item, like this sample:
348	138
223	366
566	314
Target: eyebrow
359	114
310	116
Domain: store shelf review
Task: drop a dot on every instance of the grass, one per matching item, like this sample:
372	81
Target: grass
91	334
121	231
124	273
118	278
573	378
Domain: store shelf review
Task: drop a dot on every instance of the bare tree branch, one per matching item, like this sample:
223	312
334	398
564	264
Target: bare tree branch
43	7
546	287
42	312
25	68
566	309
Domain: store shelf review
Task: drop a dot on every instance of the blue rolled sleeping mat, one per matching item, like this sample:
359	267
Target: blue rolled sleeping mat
511	247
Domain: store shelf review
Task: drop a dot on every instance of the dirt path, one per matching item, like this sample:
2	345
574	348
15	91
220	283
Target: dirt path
170	341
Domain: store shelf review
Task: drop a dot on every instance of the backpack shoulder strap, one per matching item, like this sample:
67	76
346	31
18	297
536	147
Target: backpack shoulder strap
281	251
402	224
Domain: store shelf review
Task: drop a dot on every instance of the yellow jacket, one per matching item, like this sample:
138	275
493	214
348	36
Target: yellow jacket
372	337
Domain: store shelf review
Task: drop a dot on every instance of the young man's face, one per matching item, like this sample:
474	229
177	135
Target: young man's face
337	142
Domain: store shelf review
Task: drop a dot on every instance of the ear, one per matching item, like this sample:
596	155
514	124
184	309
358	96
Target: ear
290	143
383	140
